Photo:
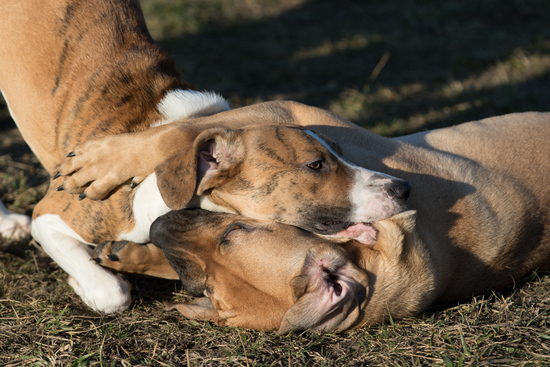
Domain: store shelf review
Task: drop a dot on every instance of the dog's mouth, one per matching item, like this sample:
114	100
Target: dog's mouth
361	232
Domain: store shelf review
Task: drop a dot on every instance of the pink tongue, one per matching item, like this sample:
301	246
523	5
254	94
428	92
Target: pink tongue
361	232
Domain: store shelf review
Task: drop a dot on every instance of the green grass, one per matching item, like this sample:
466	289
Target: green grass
394	67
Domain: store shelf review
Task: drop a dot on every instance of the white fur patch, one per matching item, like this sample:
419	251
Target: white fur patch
180	104
148	206
370	199
14	226
368	195
100	289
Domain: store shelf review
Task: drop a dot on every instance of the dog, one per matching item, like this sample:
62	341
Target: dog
12	225
75	70
478	220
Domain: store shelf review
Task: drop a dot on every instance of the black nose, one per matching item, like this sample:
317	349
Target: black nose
399	189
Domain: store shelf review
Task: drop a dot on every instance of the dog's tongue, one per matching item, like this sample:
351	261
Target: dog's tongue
362	232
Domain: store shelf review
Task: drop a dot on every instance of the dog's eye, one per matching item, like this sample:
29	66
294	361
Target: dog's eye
234	227
317	165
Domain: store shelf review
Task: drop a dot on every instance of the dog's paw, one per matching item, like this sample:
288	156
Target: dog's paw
134	258
109	253
107	297
95	168
14	226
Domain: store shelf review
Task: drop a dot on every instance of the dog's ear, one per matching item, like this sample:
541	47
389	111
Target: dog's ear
198	309
214	157
393	233
329	292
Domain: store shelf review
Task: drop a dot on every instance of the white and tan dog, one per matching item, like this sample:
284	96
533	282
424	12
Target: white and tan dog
481	221
76	70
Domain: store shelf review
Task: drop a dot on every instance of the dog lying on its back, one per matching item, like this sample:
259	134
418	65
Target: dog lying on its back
480	220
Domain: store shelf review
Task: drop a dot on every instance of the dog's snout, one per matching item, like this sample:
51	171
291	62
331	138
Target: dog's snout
399	189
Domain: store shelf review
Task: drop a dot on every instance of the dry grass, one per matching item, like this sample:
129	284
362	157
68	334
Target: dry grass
393	67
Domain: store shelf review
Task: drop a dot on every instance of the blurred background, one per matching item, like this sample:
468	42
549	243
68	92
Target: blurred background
394	67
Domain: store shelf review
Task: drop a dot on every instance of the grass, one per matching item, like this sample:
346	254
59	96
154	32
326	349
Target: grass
393	67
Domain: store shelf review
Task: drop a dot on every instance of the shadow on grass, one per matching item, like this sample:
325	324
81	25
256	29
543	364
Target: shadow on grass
487	58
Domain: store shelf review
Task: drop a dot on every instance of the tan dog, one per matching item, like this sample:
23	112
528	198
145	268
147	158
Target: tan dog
76	70
481	218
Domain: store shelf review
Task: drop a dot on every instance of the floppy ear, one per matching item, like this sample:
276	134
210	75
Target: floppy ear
212	159
393	233
329	292
198	309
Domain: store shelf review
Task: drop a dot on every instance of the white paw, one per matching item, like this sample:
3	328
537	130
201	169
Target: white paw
107	297
14	226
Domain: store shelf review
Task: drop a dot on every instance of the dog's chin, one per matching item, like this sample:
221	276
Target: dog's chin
364	233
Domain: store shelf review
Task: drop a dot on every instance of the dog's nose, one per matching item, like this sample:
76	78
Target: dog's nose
399	189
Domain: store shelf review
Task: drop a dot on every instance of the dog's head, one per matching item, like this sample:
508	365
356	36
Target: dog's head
270	276
282	173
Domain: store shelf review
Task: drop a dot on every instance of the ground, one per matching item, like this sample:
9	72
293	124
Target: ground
394	67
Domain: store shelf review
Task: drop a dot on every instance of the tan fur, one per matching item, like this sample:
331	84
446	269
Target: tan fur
73	71
481	200
64	88
77	70
95	72
143	259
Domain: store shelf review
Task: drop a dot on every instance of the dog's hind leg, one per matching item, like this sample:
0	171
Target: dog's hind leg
99	288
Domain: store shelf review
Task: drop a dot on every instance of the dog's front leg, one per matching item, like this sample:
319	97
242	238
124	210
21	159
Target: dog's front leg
100	289
93	169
